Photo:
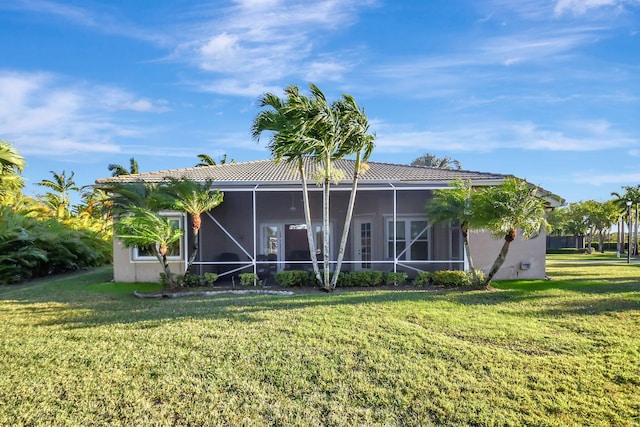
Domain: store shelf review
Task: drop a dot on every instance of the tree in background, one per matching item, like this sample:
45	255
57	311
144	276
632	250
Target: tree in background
58	200
570	220
207	160
454	205
631	194
599	218
119	170
503	210
33	242
433	161
11	164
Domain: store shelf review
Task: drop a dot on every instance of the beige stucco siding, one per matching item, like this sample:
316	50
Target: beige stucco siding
125	270
525	259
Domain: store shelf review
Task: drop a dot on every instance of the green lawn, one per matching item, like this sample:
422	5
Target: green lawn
82	351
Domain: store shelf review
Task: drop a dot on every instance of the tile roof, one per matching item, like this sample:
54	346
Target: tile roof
270	172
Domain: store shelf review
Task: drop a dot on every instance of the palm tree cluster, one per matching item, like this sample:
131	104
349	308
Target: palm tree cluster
308	130
11	165
433	161
119	170
139	223
207	160
503	210
46	235
627	204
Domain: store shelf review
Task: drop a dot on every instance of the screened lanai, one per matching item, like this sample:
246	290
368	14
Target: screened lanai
260	226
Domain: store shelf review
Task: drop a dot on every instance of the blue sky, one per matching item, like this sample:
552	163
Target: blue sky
547	90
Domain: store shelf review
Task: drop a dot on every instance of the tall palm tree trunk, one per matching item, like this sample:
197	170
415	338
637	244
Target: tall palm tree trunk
326	280
307	218
347	222
196	244
619	238
635	234
325	235
502	256
161	254
467	251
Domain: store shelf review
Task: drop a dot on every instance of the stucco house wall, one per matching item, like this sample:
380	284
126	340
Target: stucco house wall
126	270
525	259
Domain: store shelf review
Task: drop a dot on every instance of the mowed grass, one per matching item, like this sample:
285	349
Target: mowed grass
80	350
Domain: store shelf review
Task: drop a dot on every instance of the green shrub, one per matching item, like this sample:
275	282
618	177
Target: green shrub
193	281
395	278
450	278
290	278
344	280
210	278
423	278
248	279
190	280
30	247
366	278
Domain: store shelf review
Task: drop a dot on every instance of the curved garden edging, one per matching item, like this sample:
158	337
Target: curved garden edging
210	293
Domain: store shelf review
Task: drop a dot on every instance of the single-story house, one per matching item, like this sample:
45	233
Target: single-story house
260	225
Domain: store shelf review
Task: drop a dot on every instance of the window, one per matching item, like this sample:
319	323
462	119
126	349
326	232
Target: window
456	242
411	239
174	251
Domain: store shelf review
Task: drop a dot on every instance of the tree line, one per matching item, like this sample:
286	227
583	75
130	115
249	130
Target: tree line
595	220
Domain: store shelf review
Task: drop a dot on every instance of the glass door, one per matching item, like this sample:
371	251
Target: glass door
363	243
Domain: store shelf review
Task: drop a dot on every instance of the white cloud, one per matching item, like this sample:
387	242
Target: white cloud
580	7
606	179
43	115
259	43
237	87
577	136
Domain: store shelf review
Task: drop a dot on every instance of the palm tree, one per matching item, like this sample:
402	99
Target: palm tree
329	134
286	120
58	200
207	160
11	164
119	170
359	142
145	228
504	209
124	196
309	128
433	161
195	199
631	194
454	204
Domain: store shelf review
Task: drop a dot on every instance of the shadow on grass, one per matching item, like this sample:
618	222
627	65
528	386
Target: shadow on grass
88	300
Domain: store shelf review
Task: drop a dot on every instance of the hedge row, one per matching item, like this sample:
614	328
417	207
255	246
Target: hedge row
369	278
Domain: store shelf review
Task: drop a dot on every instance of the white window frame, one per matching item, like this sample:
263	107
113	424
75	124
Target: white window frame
171	215
407	219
